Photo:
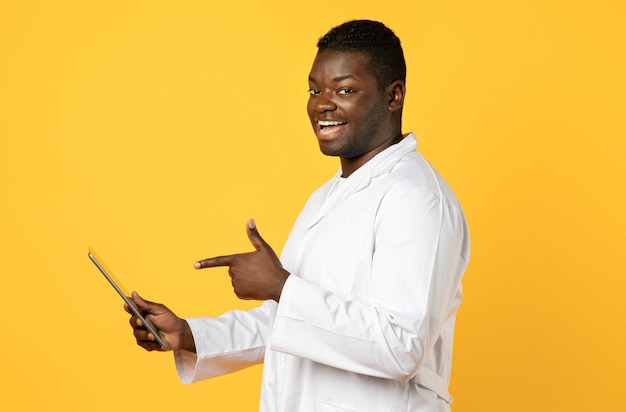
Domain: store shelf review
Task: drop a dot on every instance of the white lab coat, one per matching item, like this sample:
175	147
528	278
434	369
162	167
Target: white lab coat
366	319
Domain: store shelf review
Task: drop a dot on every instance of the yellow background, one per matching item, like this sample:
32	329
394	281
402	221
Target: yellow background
152	131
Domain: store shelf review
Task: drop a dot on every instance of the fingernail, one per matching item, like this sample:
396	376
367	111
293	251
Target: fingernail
251	224
197	265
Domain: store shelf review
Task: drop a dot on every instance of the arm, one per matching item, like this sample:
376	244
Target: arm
205	347
412	291
225	344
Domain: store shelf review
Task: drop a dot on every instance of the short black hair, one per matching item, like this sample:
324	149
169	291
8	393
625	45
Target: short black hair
374	39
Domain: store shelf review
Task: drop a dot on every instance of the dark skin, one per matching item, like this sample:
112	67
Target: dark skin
342	90
255	275
353	118
174	330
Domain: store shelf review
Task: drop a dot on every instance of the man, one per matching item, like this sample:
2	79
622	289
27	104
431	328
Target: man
359	311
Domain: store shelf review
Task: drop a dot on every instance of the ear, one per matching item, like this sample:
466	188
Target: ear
396	92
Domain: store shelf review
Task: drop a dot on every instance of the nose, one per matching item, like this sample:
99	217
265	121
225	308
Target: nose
322	103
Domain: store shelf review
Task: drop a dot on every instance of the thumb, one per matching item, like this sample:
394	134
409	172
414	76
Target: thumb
253	234
139	302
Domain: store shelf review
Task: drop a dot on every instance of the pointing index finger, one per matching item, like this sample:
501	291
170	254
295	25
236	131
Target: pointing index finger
214	262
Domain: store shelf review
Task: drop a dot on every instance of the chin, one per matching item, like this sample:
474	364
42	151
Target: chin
329	150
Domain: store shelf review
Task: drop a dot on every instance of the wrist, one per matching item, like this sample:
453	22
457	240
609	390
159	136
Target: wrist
280	285
187	341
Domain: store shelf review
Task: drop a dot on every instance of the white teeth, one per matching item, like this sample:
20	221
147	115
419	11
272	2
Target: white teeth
325	123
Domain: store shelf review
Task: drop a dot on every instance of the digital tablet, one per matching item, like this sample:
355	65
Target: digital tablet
125	295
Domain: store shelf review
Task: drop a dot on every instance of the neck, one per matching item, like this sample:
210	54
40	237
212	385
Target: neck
349	166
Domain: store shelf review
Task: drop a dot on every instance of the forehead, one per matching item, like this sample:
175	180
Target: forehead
333	65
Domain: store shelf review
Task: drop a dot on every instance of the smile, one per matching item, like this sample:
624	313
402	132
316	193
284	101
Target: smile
329	129
327	126
326	123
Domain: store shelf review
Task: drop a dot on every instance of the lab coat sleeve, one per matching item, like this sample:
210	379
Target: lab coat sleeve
228	343
419	256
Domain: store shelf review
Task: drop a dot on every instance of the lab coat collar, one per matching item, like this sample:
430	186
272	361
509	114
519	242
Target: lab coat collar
380	164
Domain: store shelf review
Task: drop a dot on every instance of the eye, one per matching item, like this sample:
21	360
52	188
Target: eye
314	92
345	90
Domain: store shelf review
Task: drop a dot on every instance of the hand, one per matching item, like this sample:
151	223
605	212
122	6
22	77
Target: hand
174	330
256	275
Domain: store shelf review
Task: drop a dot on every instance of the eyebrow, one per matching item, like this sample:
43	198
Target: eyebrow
336	79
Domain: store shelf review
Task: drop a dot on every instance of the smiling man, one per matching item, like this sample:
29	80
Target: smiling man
359	310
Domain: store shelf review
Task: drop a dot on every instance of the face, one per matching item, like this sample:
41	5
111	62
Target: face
349	113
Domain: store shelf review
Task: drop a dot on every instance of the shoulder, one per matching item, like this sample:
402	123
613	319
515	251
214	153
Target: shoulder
414	174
